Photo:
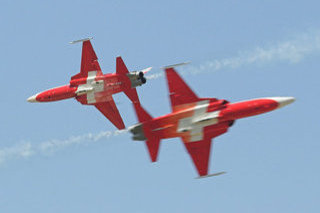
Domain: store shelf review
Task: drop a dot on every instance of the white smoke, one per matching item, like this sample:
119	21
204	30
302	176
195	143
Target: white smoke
26	150
290	51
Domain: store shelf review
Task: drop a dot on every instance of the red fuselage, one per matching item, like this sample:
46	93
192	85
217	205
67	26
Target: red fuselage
91	87
207	117
98	86
195	120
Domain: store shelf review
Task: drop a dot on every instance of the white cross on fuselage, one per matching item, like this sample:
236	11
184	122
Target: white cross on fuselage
92	86
196	123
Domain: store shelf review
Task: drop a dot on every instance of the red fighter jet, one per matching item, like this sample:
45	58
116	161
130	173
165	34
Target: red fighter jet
92	87
196	120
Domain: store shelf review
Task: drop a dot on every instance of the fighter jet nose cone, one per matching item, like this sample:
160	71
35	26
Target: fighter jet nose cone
283	101
32	99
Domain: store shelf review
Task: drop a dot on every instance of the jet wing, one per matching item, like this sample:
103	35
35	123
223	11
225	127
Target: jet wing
89	61
110	111
200	150
200	153
180	92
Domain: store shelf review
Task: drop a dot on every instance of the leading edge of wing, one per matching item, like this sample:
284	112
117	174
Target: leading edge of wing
89	60
180	92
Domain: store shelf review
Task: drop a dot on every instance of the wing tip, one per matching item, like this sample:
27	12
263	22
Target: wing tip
175	65
81	40
211	175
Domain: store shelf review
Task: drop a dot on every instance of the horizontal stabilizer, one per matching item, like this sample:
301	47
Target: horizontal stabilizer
142	114
132	95
152	142
121	68
153	148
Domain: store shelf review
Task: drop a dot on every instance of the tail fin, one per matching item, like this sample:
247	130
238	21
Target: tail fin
121	69
152	142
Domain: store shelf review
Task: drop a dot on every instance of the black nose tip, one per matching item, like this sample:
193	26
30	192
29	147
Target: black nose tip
143	80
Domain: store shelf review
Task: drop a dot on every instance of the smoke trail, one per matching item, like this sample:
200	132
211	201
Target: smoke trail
290	51
26	150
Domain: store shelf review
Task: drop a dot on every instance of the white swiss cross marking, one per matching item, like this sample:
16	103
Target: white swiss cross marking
92	86
196	123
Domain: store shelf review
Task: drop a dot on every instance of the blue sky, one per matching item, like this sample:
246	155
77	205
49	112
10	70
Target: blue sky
59	157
